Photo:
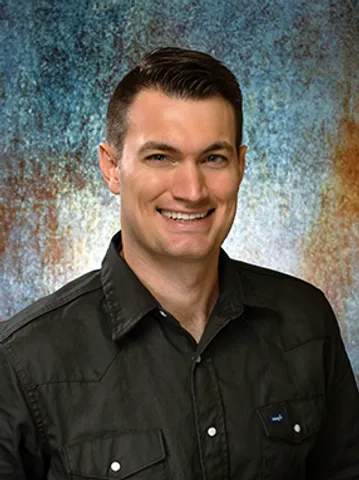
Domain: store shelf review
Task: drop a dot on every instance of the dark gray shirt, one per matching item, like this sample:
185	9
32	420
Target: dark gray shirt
97	381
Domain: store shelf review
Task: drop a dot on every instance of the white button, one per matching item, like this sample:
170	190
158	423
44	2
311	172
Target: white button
163	313
198	359
212	431
297	428
115	466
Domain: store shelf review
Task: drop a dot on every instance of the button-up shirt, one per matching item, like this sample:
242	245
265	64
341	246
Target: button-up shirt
98	381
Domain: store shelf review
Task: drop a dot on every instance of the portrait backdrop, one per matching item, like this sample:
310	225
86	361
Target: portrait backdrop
297	63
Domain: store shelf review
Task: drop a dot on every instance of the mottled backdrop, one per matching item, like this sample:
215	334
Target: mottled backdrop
298	64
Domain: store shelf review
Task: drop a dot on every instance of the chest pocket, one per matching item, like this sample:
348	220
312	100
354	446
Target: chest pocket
133	455
289	434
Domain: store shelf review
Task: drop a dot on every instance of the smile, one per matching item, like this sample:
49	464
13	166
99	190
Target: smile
185	216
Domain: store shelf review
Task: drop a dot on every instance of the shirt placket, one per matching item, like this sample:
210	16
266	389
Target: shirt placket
210	424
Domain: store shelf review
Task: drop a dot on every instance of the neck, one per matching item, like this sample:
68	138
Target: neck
187	290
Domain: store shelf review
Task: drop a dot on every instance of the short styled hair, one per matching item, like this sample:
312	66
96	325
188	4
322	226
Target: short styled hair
180	73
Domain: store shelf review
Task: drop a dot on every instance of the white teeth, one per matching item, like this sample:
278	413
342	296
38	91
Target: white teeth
183	216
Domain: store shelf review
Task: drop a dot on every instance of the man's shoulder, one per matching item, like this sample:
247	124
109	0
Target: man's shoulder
267	276
296	308
70	296
272	282
62	337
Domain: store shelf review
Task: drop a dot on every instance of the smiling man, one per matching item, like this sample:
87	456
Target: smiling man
174	361
178	176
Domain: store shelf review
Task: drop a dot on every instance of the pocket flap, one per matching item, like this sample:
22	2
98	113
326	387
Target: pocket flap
115	455
293	420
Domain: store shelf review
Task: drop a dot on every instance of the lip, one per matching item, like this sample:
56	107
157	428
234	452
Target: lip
187	212
199	225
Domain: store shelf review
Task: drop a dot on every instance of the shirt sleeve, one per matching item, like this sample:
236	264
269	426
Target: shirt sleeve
336	454
20	457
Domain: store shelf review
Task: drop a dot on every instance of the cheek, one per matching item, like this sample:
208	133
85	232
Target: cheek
143	186
225	189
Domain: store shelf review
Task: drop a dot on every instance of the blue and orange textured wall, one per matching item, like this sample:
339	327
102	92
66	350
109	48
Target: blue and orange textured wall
298	64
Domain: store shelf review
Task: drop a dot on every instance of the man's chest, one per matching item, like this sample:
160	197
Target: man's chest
159	410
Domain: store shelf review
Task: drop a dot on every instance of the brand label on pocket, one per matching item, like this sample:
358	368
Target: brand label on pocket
277	418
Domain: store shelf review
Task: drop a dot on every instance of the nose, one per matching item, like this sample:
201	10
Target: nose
189	182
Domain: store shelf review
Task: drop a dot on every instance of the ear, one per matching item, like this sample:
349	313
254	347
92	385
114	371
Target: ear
241	161
109	167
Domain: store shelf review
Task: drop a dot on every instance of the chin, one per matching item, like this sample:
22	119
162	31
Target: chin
190	252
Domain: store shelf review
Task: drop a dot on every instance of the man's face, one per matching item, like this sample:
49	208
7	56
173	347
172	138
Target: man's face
179	175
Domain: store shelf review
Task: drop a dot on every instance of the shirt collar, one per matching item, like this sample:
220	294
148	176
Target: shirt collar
129	300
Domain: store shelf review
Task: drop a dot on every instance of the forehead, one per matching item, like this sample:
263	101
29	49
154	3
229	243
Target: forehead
154	115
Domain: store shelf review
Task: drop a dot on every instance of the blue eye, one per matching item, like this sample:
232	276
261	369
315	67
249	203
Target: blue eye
158	157
215	158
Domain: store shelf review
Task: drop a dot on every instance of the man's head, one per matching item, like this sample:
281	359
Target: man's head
174	132
179	73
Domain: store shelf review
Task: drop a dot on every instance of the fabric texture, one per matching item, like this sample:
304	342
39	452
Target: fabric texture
98	381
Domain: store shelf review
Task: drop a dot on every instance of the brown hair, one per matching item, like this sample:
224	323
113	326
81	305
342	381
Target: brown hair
186	74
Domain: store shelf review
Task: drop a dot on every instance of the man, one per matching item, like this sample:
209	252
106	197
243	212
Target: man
174	361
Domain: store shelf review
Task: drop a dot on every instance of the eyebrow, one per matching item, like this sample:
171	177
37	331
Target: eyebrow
165	147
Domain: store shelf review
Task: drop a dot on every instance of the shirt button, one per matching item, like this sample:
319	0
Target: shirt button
197	359
163	313
115	466
297	428
212	431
